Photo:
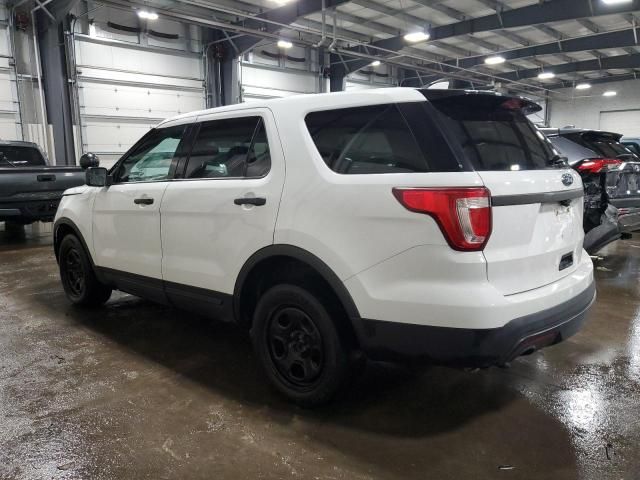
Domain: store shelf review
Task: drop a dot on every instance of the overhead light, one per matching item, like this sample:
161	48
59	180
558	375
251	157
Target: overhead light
546	75
583	86
610	93
147	15
375	63
494	60
284	44
418	36
615	2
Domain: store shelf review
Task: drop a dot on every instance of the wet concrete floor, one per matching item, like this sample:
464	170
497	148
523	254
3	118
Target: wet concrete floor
136	390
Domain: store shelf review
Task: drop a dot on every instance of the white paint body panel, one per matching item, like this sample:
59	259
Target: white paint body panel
528	241
206	238
396	264
126	236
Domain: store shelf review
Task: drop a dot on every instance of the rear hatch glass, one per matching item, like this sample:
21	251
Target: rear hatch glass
536	236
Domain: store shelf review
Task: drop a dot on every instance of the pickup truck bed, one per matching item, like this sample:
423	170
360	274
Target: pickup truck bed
29	192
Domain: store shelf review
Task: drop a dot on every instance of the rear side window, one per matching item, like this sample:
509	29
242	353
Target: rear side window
230	148
494	133
366	140
18	156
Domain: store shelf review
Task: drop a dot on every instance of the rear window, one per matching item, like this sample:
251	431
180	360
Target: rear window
17	156
494	133
366	140
608	147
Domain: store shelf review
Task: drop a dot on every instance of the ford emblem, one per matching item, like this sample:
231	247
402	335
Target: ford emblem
567	179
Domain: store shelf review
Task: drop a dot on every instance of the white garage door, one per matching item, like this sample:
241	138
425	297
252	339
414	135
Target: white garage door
9	111
626	122
124	91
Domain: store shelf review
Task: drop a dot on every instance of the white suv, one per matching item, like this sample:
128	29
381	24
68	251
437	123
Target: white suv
400	223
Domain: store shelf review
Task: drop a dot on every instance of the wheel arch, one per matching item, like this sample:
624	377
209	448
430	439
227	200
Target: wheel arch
64	227
282	253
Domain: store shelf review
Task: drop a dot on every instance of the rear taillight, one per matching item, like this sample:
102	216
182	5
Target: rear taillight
463	214
596	165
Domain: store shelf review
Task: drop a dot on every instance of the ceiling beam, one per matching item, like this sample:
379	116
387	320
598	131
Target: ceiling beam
286	14
603	63
619	39
597	81
538	13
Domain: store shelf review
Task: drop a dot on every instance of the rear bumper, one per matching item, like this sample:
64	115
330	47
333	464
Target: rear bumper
383	340
629	219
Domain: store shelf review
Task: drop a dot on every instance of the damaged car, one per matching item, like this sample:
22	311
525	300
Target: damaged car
610	174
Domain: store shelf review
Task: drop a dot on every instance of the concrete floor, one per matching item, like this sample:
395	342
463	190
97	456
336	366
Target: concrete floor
136	390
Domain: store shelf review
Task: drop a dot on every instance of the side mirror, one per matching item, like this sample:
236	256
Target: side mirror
98	177
89	160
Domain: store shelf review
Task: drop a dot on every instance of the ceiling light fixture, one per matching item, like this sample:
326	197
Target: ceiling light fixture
494	60
284	44
375	63
418	36
147	15
546	75
583	86
615	2
610	93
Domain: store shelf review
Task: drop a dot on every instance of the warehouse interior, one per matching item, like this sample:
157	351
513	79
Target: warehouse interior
141	390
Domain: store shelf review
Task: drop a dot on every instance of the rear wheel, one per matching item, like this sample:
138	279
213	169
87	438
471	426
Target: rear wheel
299	346
78	279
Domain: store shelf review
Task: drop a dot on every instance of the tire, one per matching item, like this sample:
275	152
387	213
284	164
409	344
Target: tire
78	278
298	345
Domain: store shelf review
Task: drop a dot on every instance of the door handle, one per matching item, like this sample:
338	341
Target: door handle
143	201
257	201
46	178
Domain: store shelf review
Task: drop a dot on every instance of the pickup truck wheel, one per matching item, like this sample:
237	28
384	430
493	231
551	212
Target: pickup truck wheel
299	346
78	279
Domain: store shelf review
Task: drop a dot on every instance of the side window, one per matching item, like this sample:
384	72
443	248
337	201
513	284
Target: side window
369	140
151	159
230	148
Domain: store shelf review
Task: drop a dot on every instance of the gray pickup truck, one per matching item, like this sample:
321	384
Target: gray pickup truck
30	190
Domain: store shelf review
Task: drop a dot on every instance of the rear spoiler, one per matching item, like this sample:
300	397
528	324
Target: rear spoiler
482	99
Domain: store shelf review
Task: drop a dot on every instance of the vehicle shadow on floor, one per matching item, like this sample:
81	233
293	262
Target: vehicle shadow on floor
392	419
220	357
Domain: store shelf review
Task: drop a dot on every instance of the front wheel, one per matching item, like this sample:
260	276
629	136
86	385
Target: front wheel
78	279
296	340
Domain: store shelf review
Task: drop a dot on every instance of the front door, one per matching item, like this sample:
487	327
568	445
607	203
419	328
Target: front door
126	215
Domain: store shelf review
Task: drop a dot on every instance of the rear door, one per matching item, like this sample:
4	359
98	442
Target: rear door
537	231
224	207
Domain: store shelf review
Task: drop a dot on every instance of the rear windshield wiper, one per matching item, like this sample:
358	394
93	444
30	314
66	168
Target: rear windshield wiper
558	161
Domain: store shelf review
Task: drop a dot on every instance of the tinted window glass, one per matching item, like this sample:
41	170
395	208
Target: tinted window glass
259	158
225	148
151	159
573	151
494	133
634	147
16	156
370	140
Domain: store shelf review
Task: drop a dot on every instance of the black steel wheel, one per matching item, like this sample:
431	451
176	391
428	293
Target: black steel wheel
295	345
78	278
74	276
296	338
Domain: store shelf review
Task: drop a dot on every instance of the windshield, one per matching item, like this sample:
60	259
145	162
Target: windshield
19	156
494	133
